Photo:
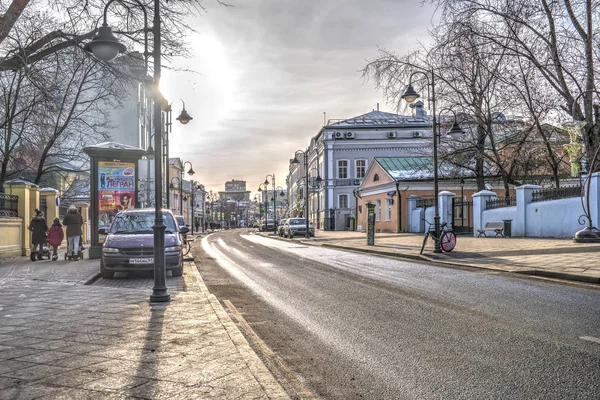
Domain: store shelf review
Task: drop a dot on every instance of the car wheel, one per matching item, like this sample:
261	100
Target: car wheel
104	273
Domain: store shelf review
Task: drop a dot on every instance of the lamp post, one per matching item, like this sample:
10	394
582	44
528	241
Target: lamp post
266	197
317	183
272	176
589	233
191	173
281	194
411	95
106	47
295	163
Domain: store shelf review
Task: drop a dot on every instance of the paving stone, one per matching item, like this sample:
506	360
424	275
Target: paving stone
35	372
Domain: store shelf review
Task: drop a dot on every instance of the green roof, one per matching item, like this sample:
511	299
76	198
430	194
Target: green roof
407	168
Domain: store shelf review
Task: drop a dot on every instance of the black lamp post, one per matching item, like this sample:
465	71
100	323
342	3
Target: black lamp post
281	194
589	233
266	197
411	95
295	163
272	176
317	183
106	47
191	173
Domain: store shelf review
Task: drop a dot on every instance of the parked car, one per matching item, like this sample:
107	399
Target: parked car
297	227
266	227
129	243
280	226
181	221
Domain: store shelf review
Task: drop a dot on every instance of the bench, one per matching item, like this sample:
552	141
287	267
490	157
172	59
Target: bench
496	227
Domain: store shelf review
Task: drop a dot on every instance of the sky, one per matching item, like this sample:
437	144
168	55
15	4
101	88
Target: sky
265	71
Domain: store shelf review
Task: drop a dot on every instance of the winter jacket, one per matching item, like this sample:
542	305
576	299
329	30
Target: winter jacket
73	221
39	228
56	235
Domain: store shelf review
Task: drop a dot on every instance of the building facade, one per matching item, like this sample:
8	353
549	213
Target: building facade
341	153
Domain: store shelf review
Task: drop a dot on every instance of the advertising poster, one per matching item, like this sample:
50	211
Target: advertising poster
116	190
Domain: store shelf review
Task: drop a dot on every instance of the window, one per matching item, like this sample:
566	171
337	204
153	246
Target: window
343	169
361	169
343	201
375	178
388	209
377	210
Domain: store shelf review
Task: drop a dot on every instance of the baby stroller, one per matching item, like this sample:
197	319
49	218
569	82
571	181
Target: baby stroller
79	255
45	251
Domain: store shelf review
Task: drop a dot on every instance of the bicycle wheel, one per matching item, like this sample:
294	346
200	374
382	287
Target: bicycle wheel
448	241
186	248
424	242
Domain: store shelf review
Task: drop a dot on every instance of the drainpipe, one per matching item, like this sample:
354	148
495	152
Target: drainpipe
399	208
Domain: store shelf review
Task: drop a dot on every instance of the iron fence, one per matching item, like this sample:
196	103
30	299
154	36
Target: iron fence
9	205
564	192
425	202
500	202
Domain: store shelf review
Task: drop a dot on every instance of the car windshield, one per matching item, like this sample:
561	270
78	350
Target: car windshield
139	223
298	221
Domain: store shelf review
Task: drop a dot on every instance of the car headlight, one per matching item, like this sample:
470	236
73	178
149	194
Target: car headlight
174	248
109	250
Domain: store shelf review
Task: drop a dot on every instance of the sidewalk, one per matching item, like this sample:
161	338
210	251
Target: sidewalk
554	258
61	339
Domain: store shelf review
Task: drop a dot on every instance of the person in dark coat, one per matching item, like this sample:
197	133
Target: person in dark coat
38	227
73	221
55	237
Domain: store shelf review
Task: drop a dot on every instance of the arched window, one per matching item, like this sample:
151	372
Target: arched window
375	178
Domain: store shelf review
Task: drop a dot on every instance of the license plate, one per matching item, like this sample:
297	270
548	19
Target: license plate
141	261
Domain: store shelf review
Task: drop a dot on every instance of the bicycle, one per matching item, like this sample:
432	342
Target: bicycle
447	240
187	246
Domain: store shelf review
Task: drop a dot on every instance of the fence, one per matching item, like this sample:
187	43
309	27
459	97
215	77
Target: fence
9	205
500	202
564	192
425	202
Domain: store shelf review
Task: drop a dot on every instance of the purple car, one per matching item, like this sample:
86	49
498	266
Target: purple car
129	243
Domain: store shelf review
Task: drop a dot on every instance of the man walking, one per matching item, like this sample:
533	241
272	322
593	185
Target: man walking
73	221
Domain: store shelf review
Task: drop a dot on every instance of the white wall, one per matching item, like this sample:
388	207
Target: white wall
555	218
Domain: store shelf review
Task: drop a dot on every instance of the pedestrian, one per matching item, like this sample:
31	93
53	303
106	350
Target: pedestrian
38	227
73	221
55	237
197	226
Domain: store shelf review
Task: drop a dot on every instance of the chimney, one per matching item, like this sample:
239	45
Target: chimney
419	111
377	106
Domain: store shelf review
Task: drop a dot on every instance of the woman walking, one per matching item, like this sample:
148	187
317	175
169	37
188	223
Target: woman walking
38	227
73	221
55	237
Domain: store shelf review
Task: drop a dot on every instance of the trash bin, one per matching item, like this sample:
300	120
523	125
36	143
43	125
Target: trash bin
507	227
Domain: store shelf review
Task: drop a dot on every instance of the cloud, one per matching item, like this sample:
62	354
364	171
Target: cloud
268	69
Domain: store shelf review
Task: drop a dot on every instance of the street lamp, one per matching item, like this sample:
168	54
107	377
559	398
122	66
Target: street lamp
266	197
411	95
272	176
295	163
281	194
106	46
589	233
317	183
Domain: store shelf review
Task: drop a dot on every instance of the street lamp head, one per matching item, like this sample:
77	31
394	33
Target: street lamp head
150	152
295	161
410	94
318	179
456	131
266	181
184	117
281	193
259	189
105	45
191	171
171	186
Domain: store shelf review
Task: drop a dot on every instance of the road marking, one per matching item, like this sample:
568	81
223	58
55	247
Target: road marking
301	390
590	338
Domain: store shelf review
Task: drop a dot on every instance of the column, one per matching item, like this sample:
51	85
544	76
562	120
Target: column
479	200
445	207
524	195
413	226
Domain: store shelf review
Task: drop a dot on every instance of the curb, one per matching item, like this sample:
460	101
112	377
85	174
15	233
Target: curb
530	272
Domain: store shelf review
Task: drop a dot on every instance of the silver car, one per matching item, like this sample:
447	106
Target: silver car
297	227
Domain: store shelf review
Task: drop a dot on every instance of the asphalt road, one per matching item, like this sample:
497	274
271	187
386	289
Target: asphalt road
354	326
